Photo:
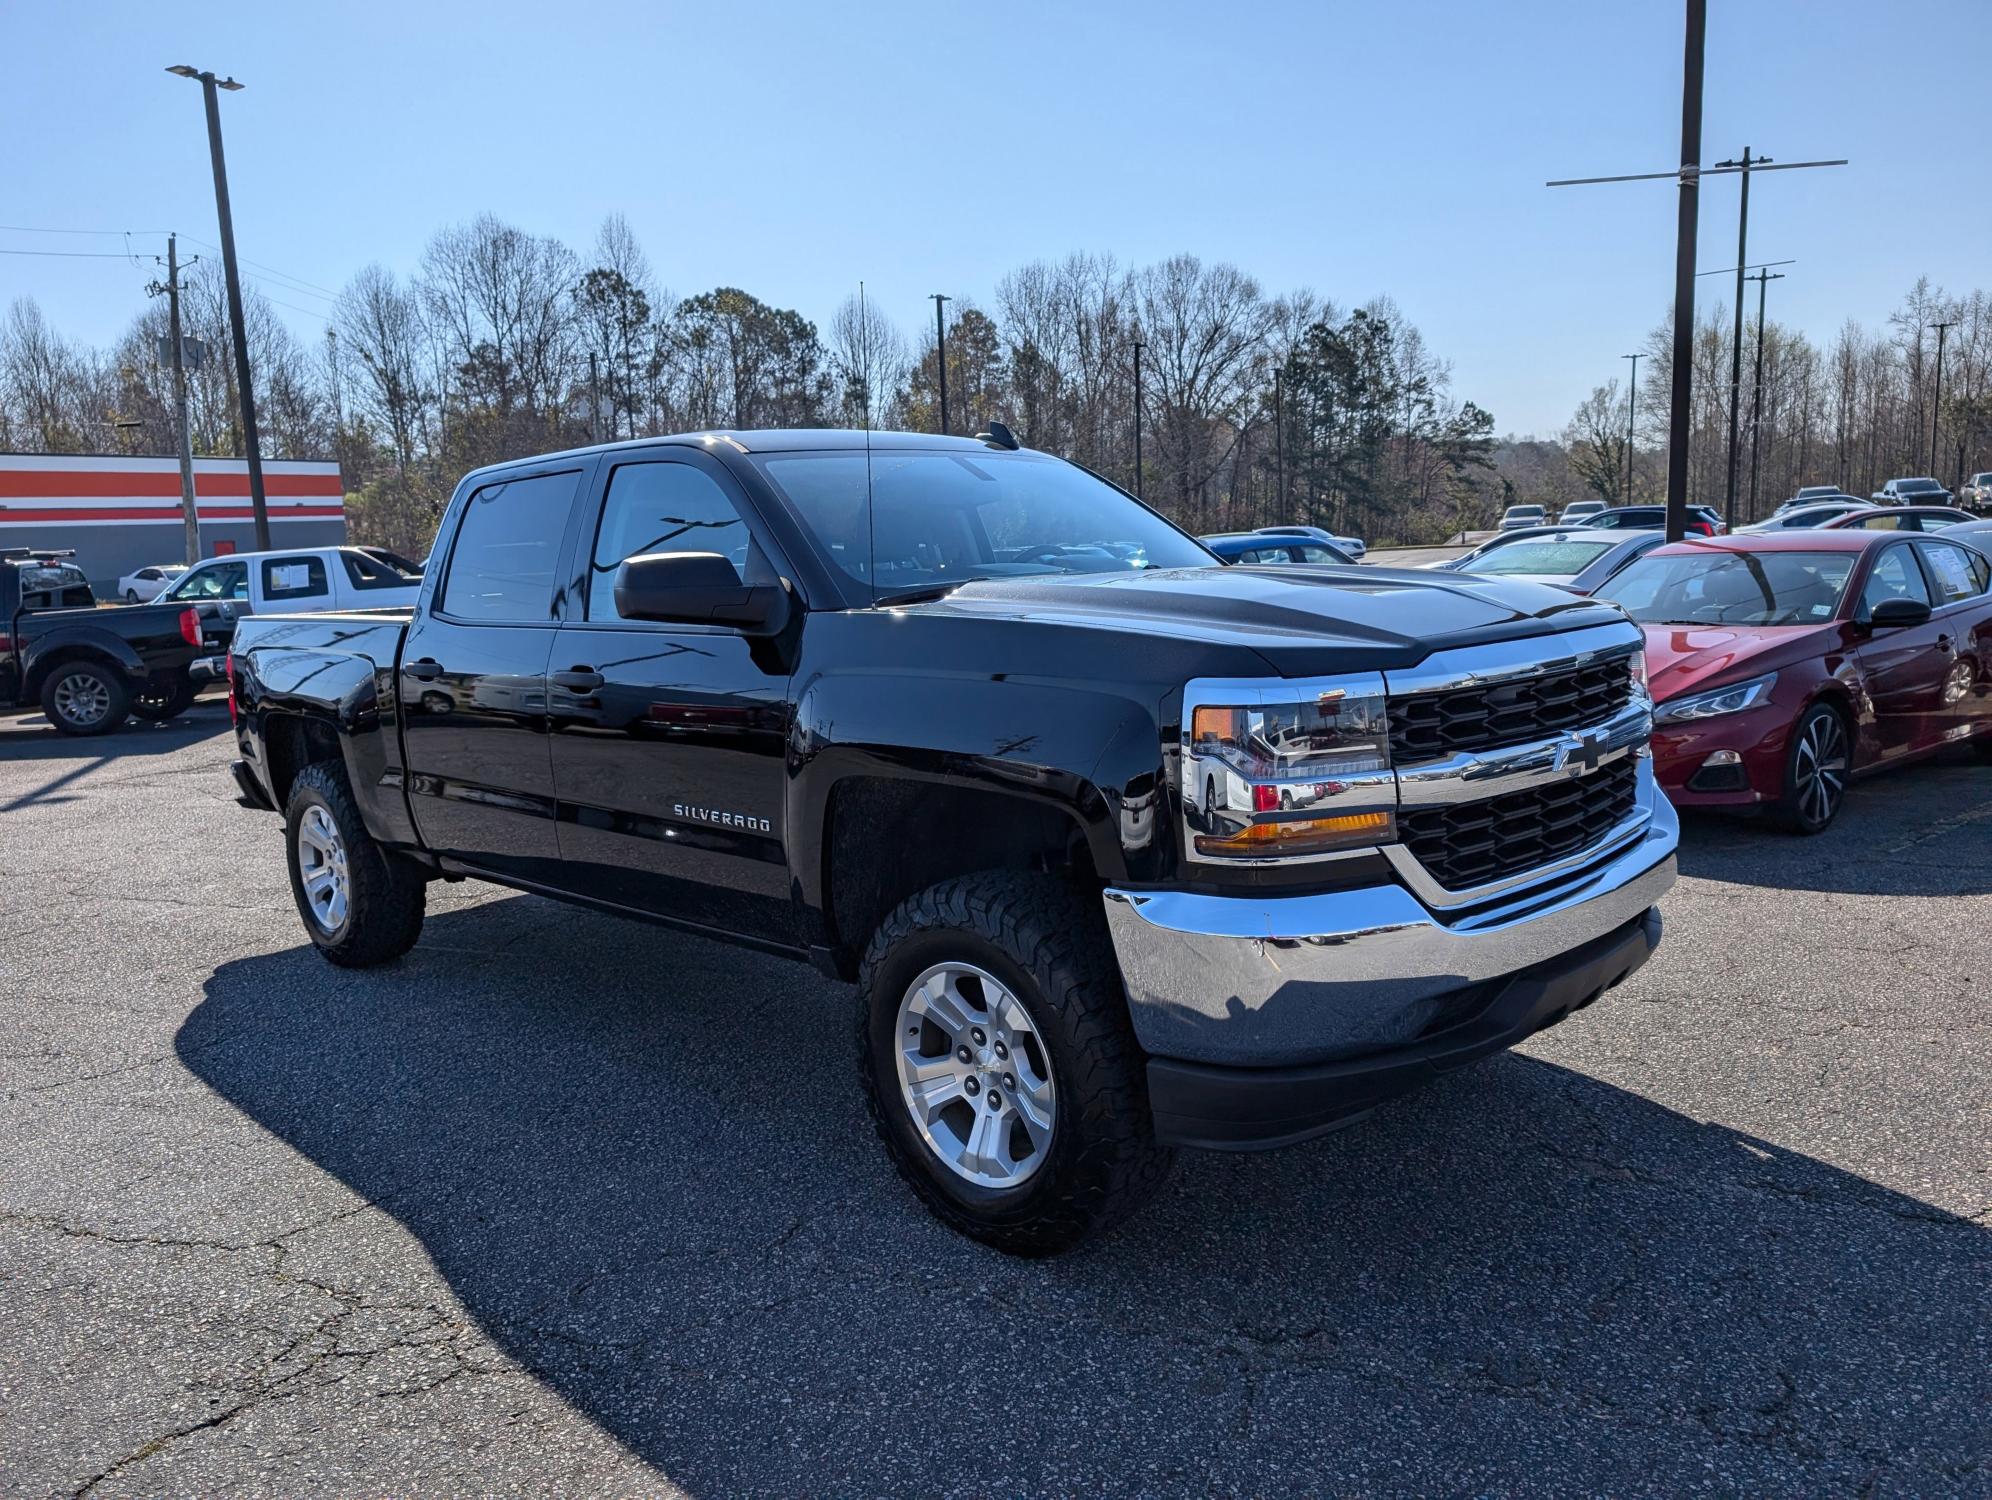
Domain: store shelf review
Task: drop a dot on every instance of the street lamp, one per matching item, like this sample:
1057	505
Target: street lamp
251	447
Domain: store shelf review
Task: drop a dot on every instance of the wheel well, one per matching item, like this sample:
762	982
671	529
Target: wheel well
1837	698
62	656
886	840
290	743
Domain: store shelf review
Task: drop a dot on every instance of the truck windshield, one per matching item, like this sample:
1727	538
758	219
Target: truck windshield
1733	588
929	518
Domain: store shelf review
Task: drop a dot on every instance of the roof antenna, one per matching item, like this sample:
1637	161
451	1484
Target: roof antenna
999	436
864	391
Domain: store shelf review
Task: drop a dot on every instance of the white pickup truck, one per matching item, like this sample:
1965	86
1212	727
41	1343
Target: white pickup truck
298	580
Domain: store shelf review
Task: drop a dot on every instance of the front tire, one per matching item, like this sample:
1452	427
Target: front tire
85	698
1817	763
361	905
1000	1065
131	596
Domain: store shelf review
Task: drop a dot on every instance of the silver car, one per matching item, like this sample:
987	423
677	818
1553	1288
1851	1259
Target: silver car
1577	558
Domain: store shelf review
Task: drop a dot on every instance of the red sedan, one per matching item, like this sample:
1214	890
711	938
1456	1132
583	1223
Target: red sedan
1783	665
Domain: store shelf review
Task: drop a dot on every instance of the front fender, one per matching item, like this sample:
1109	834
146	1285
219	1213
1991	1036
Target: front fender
1080	751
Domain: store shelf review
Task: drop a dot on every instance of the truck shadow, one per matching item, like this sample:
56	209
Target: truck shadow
640	1164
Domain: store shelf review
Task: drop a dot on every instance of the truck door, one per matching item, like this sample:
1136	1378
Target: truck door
668	739
472	681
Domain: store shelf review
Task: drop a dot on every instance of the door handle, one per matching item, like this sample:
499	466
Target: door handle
576	679
424	670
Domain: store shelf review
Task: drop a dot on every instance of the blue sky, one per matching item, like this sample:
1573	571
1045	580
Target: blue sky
793	149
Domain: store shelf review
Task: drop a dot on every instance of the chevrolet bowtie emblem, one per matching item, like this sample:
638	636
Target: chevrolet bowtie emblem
1581	753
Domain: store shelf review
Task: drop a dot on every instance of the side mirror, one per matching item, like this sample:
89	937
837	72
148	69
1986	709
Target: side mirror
1899	614
698	588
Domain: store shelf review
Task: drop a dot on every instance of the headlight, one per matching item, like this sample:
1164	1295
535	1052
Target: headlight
1286	770
1726	700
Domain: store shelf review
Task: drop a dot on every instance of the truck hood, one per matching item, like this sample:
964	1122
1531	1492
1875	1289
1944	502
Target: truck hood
1303	621
1682	658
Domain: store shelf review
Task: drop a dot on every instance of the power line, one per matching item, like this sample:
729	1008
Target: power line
74	254
273	271
105	233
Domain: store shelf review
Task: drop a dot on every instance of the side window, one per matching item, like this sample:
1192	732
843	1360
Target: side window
1259	557
293	578
661	507
365	571
1895	576
1953	569
507	548
1885	523
1316	555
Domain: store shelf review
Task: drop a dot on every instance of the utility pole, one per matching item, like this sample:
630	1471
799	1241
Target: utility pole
1685	227
182	437
594	397
1937	406
1736	341
941	355
1755	403
1138	347
1631	403
245	396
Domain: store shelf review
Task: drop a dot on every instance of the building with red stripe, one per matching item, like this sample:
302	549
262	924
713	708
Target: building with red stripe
121	514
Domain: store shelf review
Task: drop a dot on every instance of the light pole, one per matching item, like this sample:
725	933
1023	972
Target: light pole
1937	406
1631	402
259	507
941	355
1763	279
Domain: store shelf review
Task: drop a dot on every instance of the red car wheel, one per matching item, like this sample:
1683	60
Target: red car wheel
1816	766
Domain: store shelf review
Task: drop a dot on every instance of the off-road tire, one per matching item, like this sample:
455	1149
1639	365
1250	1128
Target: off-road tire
115	713
386	896
160	700
1051	949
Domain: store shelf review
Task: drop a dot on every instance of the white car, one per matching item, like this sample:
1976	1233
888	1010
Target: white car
1355	546
149	582
1516	516
1577	510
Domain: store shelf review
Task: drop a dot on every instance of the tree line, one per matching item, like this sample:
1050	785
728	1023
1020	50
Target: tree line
1857	411
1254	406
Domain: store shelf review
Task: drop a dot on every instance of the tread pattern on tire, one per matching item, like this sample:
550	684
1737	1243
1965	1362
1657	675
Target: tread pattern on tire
386	899
1038	922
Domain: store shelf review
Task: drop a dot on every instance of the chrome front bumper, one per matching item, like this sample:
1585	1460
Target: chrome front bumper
1267	981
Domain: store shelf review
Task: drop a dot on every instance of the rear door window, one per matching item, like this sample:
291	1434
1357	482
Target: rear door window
507	550
291	578
1958	573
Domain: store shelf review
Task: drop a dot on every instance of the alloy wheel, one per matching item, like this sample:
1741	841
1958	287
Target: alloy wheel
1820	767
83	698
974	1075
321	867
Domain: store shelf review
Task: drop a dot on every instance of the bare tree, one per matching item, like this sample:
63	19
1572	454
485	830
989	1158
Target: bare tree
868	353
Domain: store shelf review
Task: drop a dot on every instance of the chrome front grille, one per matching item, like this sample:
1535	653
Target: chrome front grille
1488	715
1463	845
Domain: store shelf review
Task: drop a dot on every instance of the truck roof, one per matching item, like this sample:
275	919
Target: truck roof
763	440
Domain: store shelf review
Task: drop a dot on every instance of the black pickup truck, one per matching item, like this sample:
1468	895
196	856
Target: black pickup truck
89	668
1125	848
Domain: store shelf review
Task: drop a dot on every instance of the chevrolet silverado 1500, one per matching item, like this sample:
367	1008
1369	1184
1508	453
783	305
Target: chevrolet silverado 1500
1124	848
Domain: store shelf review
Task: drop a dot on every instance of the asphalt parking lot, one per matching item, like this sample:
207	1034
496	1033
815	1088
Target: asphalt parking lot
560	1204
